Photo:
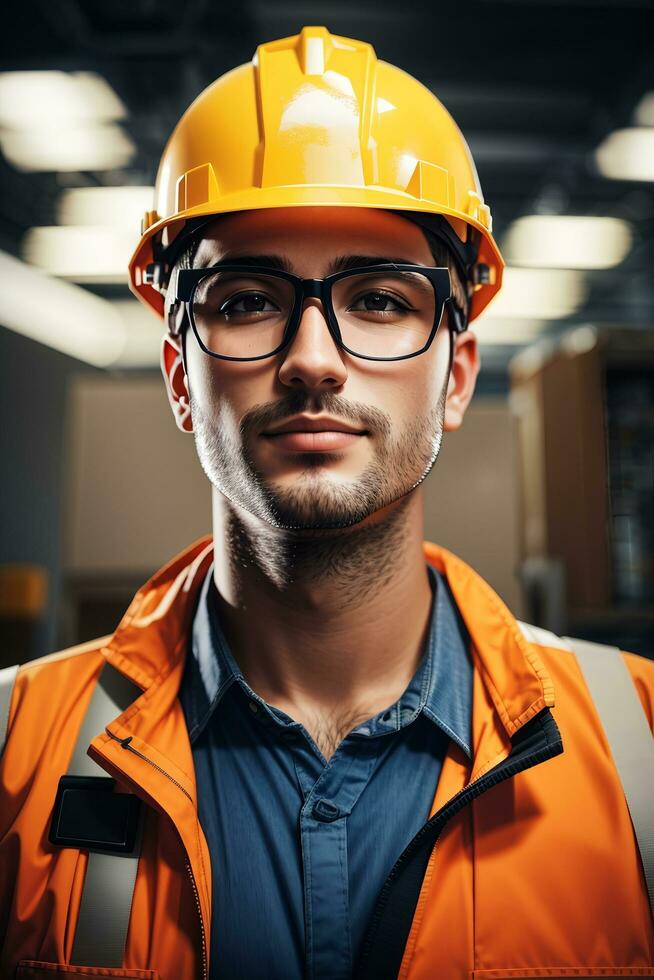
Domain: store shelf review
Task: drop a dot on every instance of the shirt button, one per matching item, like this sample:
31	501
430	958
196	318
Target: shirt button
254	707
326	811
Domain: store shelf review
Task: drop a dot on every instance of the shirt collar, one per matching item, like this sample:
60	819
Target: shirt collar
441	687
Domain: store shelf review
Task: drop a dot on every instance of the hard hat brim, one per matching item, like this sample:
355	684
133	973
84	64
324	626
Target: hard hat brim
306	196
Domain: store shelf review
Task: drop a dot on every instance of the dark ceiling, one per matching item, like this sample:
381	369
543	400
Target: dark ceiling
534	86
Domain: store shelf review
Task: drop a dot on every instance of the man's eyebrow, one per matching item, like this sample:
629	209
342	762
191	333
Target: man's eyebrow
342	263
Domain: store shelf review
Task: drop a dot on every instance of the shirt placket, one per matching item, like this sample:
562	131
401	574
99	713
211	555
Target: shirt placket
328	802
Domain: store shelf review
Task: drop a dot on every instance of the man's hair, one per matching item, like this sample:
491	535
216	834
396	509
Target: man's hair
442	256
187	255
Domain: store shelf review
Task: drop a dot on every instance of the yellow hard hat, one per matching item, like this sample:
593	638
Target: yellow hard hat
316	119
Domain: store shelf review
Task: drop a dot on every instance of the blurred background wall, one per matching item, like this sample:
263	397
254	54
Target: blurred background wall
547	490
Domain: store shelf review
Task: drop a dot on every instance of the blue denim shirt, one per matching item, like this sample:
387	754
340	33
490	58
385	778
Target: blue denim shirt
300	847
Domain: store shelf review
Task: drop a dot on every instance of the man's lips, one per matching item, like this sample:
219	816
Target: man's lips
314	434
314	423
324	440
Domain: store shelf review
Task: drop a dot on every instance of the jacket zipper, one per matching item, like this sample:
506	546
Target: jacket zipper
384	960
125	744
199	910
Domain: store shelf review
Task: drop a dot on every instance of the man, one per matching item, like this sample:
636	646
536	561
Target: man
317	695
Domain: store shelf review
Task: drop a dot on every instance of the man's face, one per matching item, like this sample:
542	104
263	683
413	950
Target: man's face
398	406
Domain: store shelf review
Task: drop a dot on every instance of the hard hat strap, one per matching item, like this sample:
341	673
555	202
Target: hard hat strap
464	253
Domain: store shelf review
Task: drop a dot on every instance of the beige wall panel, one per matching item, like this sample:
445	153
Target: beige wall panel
136	493
472	500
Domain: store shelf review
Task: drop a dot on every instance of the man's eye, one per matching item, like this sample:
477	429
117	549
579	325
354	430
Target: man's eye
378	302
248	303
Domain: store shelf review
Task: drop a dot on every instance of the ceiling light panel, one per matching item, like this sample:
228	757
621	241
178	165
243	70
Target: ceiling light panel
567	242
34	99
58	314
508	331
93	147
83	253
627	154
644	111
536	294
111	207
61	121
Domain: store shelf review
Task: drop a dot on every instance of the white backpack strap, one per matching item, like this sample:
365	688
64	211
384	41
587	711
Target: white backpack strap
106	902
629	736
7	679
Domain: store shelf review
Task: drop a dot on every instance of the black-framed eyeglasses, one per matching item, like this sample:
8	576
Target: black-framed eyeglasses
385	312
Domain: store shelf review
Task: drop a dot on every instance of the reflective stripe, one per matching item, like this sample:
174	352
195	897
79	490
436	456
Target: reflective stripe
7	678
106	901
629	736
536	634
112	694
104	912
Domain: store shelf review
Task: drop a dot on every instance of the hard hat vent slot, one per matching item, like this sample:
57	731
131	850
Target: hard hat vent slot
430	183
196	187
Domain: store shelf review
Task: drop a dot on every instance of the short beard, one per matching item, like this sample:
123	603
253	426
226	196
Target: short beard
314	503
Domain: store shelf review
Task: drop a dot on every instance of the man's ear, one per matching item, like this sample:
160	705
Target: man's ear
463	377
175	380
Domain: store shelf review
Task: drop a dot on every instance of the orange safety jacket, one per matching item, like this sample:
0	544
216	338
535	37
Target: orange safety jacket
535	873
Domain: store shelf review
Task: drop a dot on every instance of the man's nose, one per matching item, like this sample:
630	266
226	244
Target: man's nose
313	357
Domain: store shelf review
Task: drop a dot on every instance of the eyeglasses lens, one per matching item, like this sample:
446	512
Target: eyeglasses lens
387	314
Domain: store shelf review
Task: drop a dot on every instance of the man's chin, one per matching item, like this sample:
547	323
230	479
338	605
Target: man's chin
324	510
314	513
314	524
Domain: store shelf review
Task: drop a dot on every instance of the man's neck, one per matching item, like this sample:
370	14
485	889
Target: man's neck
324	624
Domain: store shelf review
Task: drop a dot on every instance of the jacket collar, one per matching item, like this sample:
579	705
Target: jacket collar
441	686
151	640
